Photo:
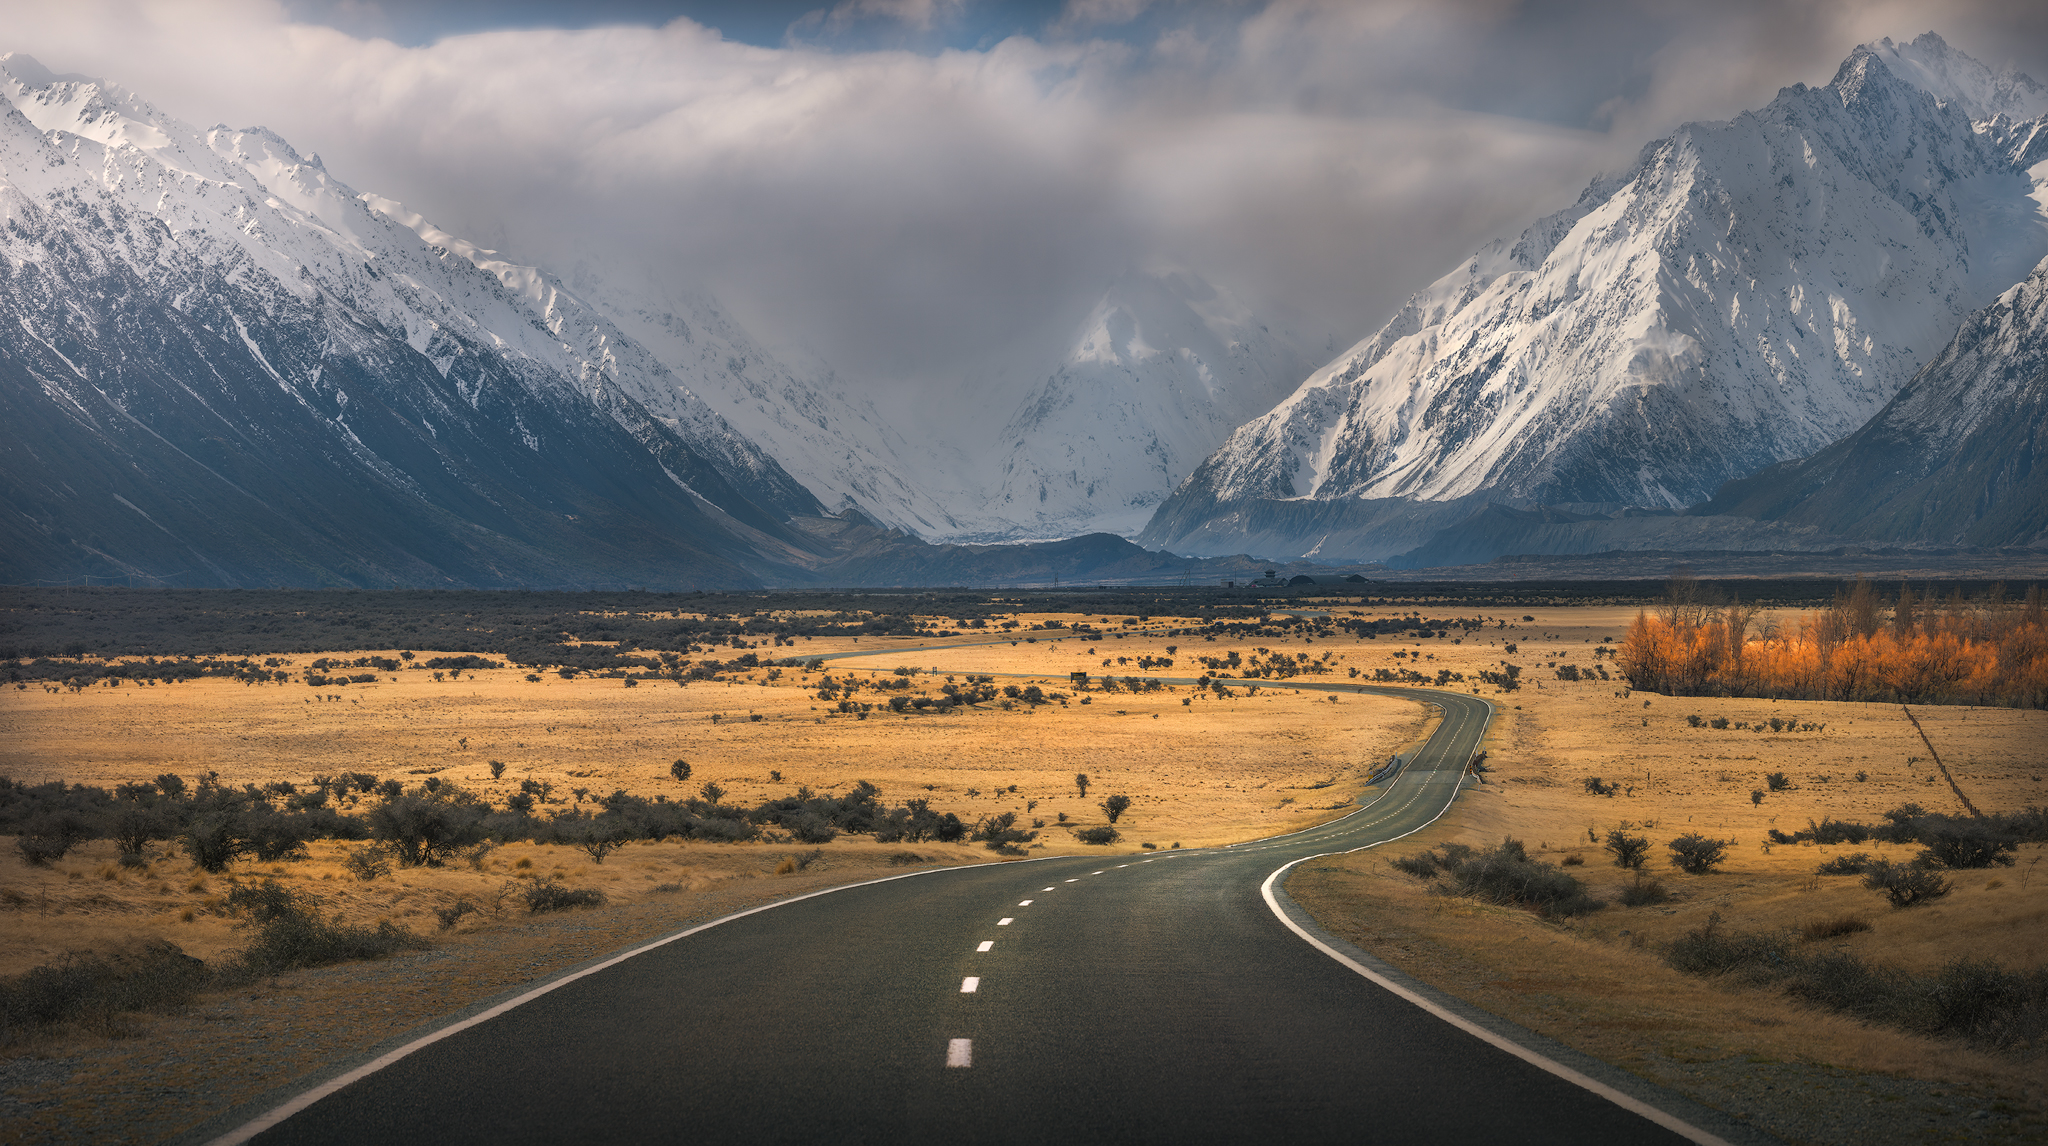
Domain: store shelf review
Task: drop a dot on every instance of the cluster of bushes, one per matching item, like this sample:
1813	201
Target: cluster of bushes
1949	841
287	930
1507	678
422	826
217	823
952	694
79	674
1973	999
1131	684
1775	724
1504	875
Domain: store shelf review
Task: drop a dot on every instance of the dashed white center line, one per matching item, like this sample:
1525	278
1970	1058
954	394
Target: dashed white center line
1094	873
1005	921
986	945
1076	879
970	985
960	1052
1023	903
1049	889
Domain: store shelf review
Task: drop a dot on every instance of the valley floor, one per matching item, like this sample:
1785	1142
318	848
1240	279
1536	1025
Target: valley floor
1200	767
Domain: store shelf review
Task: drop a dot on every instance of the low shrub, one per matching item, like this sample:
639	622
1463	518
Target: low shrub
1904	884
91	991
803	860
1696	854
367	863
1976	1000
1504	874
215	840
1778	782
1000	833
1646	891
292	932
1854	863
1832	831
1427	864
1628	851
1966	844
811	828
1100	835
1814	930
548	894
1572	860
453	914
1595	786
39	850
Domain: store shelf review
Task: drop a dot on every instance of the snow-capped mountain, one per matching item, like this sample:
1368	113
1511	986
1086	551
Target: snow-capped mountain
844	451
1748	292
1956	458
1156	376
1159	373
399	405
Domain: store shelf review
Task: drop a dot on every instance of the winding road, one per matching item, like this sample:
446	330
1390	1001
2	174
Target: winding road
1172	996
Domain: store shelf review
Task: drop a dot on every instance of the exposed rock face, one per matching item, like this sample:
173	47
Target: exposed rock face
1960	456
1748	292
230	368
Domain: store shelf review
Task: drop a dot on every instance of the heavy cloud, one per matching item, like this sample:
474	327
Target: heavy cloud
907	213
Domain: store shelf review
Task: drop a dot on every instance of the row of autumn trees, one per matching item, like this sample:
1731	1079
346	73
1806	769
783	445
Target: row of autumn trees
1908	648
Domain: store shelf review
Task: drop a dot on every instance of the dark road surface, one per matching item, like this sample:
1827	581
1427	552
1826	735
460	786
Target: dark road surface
1115	998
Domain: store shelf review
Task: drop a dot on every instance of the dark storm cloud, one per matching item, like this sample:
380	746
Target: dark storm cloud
906	213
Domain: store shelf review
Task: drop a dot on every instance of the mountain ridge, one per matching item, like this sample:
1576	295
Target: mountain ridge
1749	291
303	338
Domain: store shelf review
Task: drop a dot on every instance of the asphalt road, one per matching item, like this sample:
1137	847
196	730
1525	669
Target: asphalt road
1116	998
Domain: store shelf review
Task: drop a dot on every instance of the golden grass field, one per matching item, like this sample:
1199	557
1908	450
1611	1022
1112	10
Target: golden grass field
1200	770
1200	773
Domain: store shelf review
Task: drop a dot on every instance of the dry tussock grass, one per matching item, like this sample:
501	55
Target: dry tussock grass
1204	771
1597	983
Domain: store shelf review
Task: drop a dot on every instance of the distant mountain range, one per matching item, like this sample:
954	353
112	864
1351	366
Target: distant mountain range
1748	293
1816	324
1960	456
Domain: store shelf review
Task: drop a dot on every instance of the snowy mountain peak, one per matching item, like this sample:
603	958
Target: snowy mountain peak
1929	64
1157	375
94	109
1749	291
237	235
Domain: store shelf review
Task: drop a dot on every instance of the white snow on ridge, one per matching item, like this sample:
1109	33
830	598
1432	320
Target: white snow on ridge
1929	64
276	225
1750	291
1160	372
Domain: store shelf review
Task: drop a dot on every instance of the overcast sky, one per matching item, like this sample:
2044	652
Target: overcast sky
909	185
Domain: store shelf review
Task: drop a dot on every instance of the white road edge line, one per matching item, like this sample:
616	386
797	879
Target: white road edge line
1634	1105
970	985
1662	1118
960	1052
304	1099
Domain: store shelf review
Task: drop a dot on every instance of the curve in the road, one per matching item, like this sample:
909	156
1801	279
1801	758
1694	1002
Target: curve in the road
1100	998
